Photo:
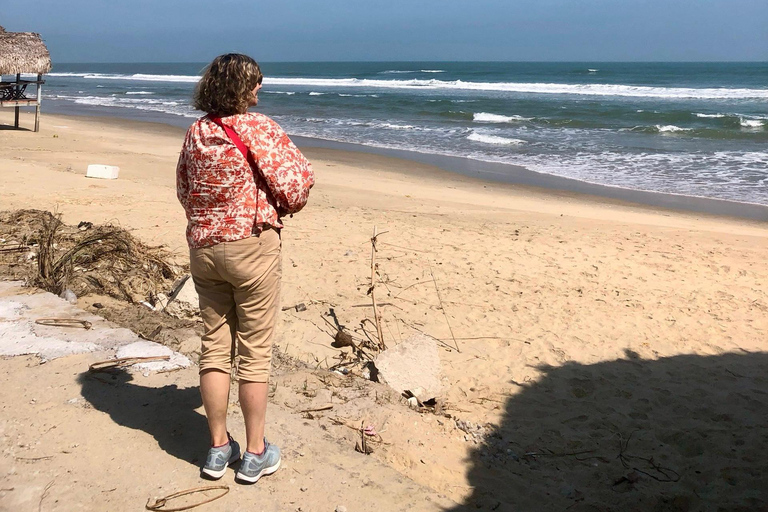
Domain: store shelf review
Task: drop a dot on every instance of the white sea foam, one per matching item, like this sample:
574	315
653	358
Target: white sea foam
392	126
313	93
139	92
493	139
593	70
751	123
514	87
289	93
138	77
432	71
485	117
533	88
707	116
149	104
670	128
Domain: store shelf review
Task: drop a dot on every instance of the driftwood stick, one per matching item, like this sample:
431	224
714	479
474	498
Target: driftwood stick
376	317
318	409
443	308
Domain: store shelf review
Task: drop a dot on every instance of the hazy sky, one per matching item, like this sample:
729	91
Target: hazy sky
336	30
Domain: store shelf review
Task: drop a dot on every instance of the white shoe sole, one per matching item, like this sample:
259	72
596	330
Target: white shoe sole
220	473
263	472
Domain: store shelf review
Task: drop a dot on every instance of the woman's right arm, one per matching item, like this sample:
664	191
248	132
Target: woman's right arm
182	179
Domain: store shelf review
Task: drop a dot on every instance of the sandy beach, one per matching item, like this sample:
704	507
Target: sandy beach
596	354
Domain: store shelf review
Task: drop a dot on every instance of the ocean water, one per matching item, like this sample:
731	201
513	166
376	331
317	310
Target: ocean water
697	129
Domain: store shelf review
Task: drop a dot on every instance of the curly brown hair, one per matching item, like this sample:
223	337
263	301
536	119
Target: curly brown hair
226	87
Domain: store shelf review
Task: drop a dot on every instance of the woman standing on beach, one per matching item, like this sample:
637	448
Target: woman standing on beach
238	172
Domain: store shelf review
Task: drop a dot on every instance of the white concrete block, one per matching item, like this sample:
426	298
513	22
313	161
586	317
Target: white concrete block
107	172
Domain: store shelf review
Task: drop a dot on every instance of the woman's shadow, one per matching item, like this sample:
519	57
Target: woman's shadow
167	413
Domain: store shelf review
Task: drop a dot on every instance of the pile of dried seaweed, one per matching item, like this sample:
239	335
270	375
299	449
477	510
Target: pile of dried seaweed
38	247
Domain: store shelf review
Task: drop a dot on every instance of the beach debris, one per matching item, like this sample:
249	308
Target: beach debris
98	305
69	296
147	305
372	290
342	339
297	307
84	225
141	349
413	366
104	259
318	409
183	301
160	503
362	445
105	172
341	508
14	248
64	322
124	362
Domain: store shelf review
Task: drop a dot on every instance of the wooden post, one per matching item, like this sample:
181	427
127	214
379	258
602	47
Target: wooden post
39	99
16	117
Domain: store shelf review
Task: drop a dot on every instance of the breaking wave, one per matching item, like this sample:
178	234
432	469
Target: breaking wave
513	87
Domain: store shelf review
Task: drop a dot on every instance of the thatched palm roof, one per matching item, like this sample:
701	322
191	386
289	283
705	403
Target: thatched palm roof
23	52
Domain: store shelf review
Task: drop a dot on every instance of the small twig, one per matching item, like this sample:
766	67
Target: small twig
376	317
368	305
445	314
417	283
422	332
64	322
318	409
159	503
669	475
18	248
44	495
34	459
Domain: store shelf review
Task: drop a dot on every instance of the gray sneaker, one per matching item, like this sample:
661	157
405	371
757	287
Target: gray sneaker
221	457
255	466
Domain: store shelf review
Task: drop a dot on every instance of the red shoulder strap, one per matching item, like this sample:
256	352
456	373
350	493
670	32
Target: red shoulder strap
236	139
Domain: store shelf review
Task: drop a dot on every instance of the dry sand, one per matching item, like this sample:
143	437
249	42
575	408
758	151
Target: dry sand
611	356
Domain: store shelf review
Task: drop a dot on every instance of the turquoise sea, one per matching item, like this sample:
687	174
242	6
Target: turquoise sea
698	129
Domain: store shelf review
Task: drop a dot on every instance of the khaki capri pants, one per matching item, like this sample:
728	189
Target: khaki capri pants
239	285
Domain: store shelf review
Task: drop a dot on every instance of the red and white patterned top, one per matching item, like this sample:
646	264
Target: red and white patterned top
223	199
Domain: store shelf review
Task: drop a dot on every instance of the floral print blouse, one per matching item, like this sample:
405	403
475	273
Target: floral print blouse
223	199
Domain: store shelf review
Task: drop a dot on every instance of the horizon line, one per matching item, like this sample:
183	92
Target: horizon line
442	61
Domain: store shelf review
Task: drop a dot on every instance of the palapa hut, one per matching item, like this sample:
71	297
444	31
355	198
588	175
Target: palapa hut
22	52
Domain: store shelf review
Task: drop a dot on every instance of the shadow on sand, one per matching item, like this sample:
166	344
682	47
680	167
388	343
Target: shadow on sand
167	413
685	433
